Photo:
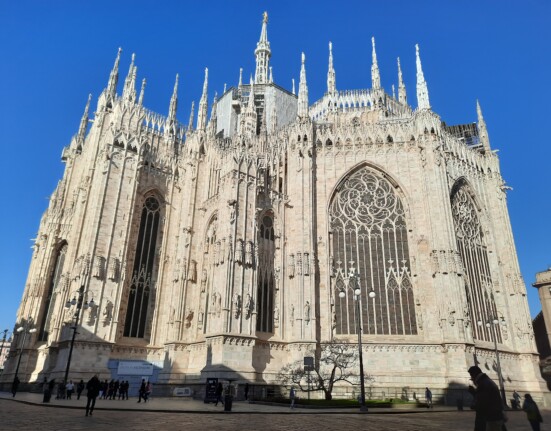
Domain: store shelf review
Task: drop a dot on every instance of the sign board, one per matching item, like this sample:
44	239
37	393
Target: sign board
308	363
210	390
135	368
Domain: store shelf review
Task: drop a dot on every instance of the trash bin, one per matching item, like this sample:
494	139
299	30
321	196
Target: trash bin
227	403
460	404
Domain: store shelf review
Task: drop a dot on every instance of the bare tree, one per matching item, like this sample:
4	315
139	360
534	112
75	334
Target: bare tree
336	362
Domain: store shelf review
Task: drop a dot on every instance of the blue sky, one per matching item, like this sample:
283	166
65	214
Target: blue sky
56	52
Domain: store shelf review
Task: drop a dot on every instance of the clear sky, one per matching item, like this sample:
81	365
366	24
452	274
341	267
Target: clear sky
53	53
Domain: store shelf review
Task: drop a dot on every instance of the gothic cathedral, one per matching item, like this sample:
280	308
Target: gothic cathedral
235	244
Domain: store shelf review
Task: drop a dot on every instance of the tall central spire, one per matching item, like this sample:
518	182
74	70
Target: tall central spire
331	78
263	54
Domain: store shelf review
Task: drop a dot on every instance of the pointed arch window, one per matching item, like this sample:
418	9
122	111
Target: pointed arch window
142	282
369	232
265	273
474	256
49	301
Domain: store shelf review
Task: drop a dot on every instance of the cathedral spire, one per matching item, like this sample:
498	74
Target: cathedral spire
84	120
331	78
240	77
293	90
422	90
203	104
262	53
375	75
191	115
482	130
402	96
173	103
129	90
114	77
142	92
213	117
302	91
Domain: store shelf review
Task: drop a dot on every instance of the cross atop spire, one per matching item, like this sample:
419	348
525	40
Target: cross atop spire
114	76
482	130
422	90
375	75
203	104
262	53
331	78
302	111
402	96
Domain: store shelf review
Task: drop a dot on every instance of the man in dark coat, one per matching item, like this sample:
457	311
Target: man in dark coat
93	386
487	402
15	385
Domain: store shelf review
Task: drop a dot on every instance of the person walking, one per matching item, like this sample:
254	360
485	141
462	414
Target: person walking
14	386
292	397
148	391
246	390
516	400
80	388
532	412
487	402
70	388
428	397
141	392
93	387
218	393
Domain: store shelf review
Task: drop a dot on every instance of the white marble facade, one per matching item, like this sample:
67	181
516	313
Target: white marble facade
219	248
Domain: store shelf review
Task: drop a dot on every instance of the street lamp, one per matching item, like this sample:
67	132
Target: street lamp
491	325
79	305
353	279
25	329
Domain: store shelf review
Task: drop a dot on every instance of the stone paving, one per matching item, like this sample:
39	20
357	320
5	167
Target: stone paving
26	412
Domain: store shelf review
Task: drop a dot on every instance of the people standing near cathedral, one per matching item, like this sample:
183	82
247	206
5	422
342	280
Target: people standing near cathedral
487	402
532	412
516	400
246	390
126	387
80	388
148	390
14	385
69	388
428	397
141	392
292	397
93	387
218	393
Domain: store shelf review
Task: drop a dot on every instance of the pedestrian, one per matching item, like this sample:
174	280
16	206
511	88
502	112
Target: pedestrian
46	390
516	400
148	390
292	397
60	390
14	385
126	387
246	390
80	388
141	392
532	412
428	397
487	402
70	388
219	390
93	387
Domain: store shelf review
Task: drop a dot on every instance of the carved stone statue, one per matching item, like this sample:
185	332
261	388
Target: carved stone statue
307	312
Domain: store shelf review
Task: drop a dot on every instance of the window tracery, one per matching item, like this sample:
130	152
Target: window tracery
49	302
369	231
142	282
474	255
265	271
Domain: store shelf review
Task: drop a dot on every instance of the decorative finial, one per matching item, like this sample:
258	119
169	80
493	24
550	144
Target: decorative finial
302	110
375	75
173	102
331	77
422	90
191	114
203	104
265	17
240	76
84	120
142	92
482	129
293	90
402	96
114	76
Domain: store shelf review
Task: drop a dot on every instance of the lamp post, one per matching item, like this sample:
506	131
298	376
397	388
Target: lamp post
25	329
354	279
79	305
491	325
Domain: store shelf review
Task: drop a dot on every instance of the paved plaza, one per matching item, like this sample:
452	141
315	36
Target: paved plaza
26	412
